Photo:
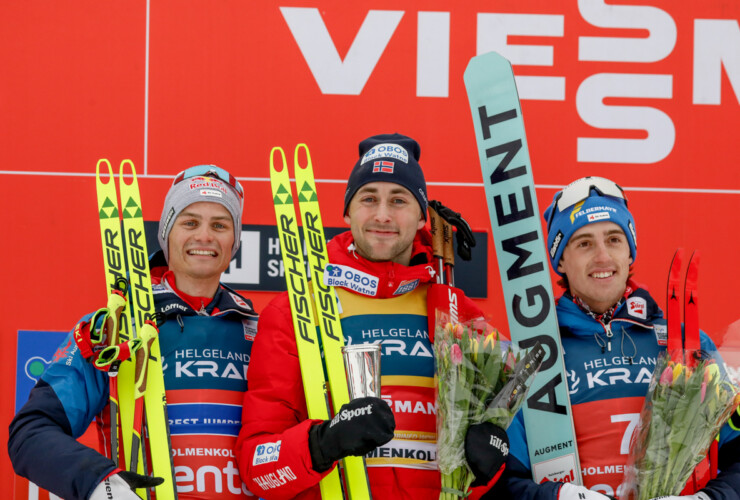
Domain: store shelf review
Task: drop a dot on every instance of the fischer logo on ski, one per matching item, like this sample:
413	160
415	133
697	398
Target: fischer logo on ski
522	259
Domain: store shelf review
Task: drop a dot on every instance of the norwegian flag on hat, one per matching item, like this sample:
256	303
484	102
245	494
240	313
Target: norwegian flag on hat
385	167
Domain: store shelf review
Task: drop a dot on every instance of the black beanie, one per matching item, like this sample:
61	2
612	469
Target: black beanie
389	158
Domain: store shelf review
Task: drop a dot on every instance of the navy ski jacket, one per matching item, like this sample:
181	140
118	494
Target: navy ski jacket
205	357
607	394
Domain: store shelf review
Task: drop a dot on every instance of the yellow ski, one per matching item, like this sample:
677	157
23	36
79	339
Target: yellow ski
304	324
149	383
327	312
115	275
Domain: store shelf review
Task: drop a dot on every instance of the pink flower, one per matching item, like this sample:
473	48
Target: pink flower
456	354
510	361
667	376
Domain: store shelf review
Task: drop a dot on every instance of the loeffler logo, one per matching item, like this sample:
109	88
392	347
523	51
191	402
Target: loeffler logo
350	414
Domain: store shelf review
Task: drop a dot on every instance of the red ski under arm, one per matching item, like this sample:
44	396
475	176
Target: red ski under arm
272	447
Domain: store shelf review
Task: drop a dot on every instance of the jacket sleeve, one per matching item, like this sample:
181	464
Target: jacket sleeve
42	441
272	447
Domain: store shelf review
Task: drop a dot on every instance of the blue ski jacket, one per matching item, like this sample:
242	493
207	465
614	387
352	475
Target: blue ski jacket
205	357
609	367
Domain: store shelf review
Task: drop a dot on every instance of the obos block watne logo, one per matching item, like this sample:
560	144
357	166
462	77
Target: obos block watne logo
353	279
266	453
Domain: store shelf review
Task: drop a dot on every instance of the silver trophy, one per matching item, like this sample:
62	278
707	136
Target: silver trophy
362	364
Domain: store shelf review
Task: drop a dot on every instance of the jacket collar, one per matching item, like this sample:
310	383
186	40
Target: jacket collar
638	308
392	279
170	301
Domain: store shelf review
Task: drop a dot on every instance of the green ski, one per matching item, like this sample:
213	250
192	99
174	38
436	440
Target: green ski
523	263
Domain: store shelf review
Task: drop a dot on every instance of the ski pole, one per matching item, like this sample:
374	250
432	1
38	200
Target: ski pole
435	222
448	252
147	334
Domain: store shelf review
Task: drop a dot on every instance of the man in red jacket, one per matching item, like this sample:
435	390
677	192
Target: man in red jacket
385	206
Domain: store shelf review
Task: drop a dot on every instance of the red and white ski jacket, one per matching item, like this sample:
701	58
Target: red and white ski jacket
389	307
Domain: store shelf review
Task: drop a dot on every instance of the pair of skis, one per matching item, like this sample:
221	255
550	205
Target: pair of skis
137	394
685	348
308	313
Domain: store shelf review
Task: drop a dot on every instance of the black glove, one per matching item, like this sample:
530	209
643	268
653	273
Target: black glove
359	427
136	481
486	449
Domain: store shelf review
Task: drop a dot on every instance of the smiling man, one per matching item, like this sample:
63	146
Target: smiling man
199	233
381	268
612	332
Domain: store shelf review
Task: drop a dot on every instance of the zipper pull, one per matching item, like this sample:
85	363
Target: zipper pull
609	336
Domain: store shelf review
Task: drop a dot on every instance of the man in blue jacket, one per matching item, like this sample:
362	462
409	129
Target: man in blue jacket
612	332
205	344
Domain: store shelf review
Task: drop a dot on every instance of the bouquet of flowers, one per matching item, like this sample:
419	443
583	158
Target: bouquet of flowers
479	379
683	412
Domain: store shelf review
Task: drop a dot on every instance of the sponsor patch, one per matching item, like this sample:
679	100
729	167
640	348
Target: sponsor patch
661	334
632	230
266	453
576	209
239	301
598	216
386	151
637	307
211	192
167	222
347	414
206	183
556	244
383	167
250	328
561	469
406	286
350	278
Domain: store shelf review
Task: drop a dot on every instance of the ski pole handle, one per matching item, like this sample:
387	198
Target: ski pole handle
435	222
115	354
448	252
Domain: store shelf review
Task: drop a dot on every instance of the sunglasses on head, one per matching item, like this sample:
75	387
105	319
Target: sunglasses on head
581	189
210	171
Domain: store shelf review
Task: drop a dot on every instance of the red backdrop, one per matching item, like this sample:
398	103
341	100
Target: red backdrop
172	84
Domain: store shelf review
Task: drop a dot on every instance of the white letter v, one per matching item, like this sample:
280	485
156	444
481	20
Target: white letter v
333	75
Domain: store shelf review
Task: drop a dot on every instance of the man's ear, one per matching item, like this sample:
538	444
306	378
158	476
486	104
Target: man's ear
560	266
422	222
347	220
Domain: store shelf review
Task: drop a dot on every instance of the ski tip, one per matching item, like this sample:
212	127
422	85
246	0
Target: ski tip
485	61
297	162
677	260
103	161
283	165
122	172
